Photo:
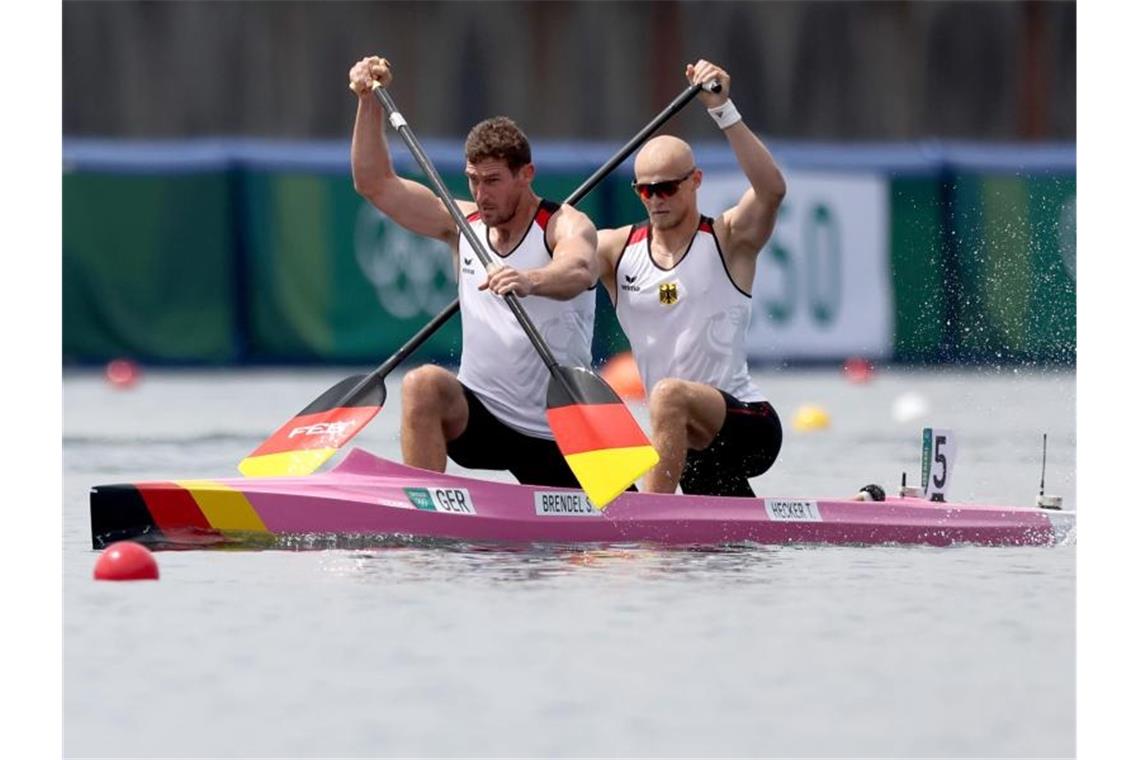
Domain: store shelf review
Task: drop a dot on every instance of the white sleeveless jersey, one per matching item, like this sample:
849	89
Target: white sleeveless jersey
688	322
499	363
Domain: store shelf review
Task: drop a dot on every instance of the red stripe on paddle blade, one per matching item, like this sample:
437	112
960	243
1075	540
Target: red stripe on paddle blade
592	427
603	444
304	443
323	430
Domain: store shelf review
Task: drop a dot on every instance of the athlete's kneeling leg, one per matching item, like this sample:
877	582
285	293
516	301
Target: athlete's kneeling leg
488	443
434	412
746	446
684	415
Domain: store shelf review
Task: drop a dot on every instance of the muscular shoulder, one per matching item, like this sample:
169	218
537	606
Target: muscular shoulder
720	229
734	242
568	221
615	237
568	226
611	242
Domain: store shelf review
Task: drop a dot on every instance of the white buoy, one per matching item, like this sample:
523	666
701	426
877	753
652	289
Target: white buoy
909	407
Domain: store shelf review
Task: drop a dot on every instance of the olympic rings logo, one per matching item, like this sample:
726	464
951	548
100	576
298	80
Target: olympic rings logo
412	274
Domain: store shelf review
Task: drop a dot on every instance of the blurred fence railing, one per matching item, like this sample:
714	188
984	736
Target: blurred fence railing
238	251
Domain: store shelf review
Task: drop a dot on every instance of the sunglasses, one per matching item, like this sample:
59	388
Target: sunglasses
666	189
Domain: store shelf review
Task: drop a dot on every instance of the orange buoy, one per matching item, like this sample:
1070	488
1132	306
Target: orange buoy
122	373
621	374
126	561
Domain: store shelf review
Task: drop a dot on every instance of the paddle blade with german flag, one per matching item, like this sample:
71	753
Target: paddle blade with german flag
602	442
307	441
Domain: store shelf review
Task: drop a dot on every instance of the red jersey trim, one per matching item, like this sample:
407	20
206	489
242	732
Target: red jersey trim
546	209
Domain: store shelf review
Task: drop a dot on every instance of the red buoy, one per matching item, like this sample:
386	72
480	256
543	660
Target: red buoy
122	373
126	561
858	370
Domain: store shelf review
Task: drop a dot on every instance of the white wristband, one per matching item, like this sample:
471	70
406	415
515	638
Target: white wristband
725	115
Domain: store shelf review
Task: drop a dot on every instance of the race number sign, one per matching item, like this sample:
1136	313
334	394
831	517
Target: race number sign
822	288
938	450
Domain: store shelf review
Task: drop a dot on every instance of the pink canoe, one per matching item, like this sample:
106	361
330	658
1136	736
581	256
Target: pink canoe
368	498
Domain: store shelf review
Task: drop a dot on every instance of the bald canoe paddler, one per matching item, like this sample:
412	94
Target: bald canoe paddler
681	285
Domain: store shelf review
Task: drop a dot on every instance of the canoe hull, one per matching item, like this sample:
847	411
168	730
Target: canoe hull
367	498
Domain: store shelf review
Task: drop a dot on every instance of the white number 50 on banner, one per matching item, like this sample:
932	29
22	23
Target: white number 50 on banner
822	287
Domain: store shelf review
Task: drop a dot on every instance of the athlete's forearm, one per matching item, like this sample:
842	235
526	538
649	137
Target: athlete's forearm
756	162
371	159
563	278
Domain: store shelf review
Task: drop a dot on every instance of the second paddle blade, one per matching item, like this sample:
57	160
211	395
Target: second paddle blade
602	442
307	441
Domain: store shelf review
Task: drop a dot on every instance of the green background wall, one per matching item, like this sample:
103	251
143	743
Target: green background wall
254	256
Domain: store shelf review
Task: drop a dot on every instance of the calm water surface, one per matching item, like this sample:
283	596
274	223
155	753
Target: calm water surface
559	650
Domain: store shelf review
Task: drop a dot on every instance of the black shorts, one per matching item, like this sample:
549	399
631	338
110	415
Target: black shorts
490	444
745	447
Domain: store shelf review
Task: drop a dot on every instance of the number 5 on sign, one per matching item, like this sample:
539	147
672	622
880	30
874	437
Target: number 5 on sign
938	450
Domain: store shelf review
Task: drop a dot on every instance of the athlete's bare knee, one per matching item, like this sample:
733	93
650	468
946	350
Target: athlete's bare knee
432	397
669	397
425	387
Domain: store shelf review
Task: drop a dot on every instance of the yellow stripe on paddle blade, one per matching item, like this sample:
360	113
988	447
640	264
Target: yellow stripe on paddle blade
300	462
606	473
225	508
